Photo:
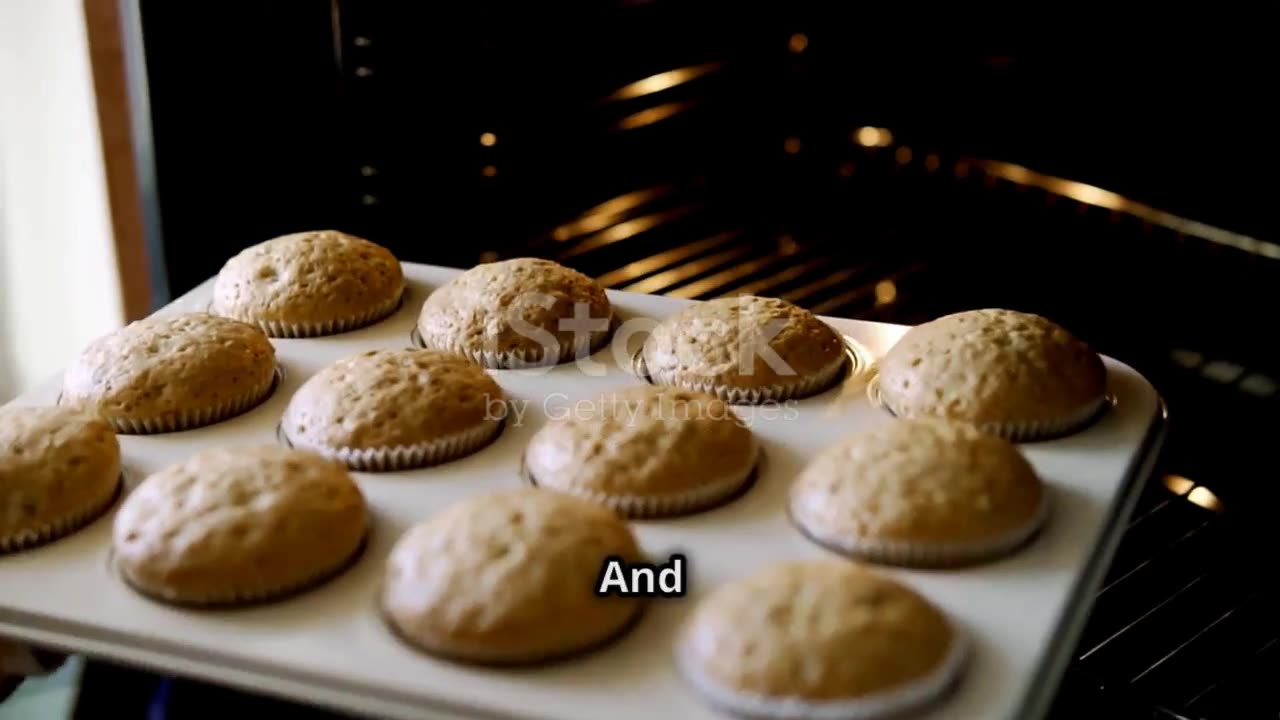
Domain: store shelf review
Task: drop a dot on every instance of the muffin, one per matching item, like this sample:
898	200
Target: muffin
745	350
396	410
172	372
824	639
239	525
646	452
309	284
525	312
59	471
923	492
1017	375
509	577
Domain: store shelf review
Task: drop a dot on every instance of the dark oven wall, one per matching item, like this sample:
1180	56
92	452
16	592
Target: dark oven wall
372	116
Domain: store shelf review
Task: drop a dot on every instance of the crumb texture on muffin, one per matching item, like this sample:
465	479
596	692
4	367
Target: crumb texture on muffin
509	577
642	443
743	342
389	398
239	524
170	366
816	635
924	485
304	283
58	468
992	366
512	311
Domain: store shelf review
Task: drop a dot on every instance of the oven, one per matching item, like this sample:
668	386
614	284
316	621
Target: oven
876	170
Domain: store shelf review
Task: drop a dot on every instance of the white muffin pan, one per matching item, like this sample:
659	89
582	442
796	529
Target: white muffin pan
329	646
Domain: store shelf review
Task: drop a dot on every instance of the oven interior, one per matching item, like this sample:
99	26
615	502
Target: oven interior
883	172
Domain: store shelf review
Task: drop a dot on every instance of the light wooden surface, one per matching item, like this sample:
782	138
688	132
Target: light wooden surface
107	57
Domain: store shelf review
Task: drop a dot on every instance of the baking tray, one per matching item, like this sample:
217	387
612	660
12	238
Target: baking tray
328	647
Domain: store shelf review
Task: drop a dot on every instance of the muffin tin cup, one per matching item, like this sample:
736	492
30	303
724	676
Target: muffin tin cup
63	527
408	457
915	696
286	330
242	597
192	419
805	387
707	496
907	554
480	654
1021	431
1033	431
328	646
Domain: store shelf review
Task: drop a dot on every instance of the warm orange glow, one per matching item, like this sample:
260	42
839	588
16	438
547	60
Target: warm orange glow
718	280
886	292
628	228
872	137
1178	485
488	256
489	171
607	213
903	155
631	271
663	81
1097	197
1205	498
932	162
787	245
488	139
791	145
653	115
798	43
856	294
665	279
784	276
797	295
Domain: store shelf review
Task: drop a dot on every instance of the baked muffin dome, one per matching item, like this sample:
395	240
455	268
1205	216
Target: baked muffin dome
646	452
239	525
1014	374
509	577
310	283
745	350
172	372
922	492
866	646
59	470
525	312
396	410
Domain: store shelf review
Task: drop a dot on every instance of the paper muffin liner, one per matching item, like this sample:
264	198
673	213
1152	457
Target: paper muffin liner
481	654
522	359
64	526
236	597
1026	430
334	326
895	702
802	387
905	553
707	496
201	417
407	457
